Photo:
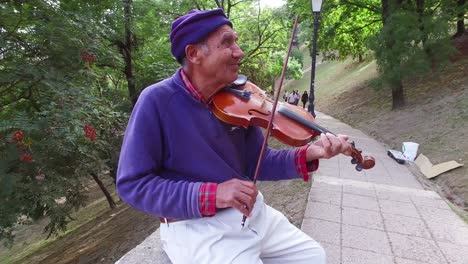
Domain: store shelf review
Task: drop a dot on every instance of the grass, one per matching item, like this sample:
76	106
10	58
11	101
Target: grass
38	241
333	78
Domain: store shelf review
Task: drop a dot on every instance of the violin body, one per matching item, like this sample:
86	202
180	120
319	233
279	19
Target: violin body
257	111
247	105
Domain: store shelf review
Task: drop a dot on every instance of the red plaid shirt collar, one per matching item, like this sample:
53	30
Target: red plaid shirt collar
191	89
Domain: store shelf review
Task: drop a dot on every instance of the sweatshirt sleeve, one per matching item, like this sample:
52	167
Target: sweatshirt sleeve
139	182
276	164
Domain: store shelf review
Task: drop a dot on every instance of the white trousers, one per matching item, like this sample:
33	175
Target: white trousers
267	237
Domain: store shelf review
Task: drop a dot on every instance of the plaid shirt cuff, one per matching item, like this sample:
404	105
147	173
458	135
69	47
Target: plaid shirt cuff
207	199
302	166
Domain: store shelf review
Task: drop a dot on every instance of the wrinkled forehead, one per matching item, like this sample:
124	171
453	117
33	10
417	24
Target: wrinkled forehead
223	33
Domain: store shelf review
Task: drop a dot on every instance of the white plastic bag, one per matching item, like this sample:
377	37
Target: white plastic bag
410	150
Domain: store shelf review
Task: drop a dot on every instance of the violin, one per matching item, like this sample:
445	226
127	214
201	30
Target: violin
244	104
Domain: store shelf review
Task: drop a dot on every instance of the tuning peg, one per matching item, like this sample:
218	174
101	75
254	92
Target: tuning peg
353	161
358	167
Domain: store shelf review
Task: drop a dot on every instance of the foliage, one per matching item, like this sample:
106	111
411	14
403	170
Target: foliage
420	42
348	27
51	92
153	59
44	173
294	70
264	37
344	26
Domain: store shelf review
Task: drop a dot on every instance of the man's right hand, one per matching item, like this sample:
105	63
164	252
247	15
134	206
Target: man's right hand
237	194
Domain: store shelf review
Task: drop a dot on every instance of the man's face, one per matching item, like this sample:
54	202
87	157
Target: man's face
221	56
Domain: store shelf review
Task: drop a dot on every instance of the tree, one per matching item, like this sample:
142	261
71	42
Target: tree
264	36
346	26
57	124
413	41
459	11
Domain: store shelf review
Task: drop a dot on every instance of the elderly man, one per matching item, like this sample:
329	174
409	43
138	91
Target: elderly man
179	162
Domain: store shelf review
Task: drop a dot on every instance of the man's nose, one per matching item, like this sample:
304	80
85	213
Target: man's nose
237	52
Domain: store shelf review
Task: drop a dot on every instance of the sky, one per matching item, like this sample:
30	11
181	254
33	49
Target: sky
272	3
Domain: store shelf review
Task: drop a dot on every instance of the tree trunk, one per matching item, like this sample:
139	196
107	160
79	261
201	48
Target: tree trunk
460	21
398	96
385	11
420	10
126	51
273	85
109	198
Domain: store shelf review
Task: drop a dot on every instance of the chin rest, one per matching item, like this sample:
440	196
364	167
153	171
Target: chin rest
234	87
240	81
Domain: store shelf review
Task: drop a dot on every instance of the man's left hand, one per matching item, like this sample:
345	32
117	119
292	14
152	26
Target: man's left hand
329	146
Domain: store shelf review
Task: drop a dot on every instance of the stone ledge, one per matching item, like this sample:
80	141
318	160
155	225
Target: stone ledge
147	252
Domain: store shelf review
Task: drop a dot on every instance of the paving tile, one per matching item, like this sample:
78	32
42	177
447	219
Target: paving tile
330	163
407	181
455	254
393	196
416	248
331	171
430	202
407	261
398	208
322	231
389	164
323	211
383	180
447	232
393	166
356	256
402	173
333	253
325	196
359	190
406	225
362	202
332	180
432	214
365	239
363	218
377	171
350	173
326	186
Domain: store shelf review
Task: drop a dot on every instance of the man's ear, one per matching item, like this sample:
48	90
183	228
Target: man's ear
193	54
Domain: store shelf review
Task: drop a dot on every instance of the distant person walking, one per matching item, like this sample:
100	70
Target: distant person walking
304	99
286	96
296	97
293	98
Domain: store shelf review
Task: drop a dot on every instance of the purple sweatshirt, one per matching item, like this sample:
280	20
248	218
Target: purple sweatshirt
174	143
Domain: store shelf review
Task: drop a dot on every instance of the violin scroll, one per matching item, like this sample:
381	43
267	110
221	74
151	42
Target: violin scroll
366	162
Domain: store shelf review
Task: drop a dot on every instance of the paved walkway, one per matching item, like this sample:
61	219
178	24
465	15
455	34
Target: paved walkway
382	215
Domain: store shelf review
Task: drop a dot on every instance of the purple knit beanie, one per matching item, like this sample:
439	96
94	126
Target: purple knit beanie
193	27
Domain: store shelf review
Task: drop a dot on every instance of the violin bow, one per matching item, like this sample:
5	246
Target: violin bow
270	122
